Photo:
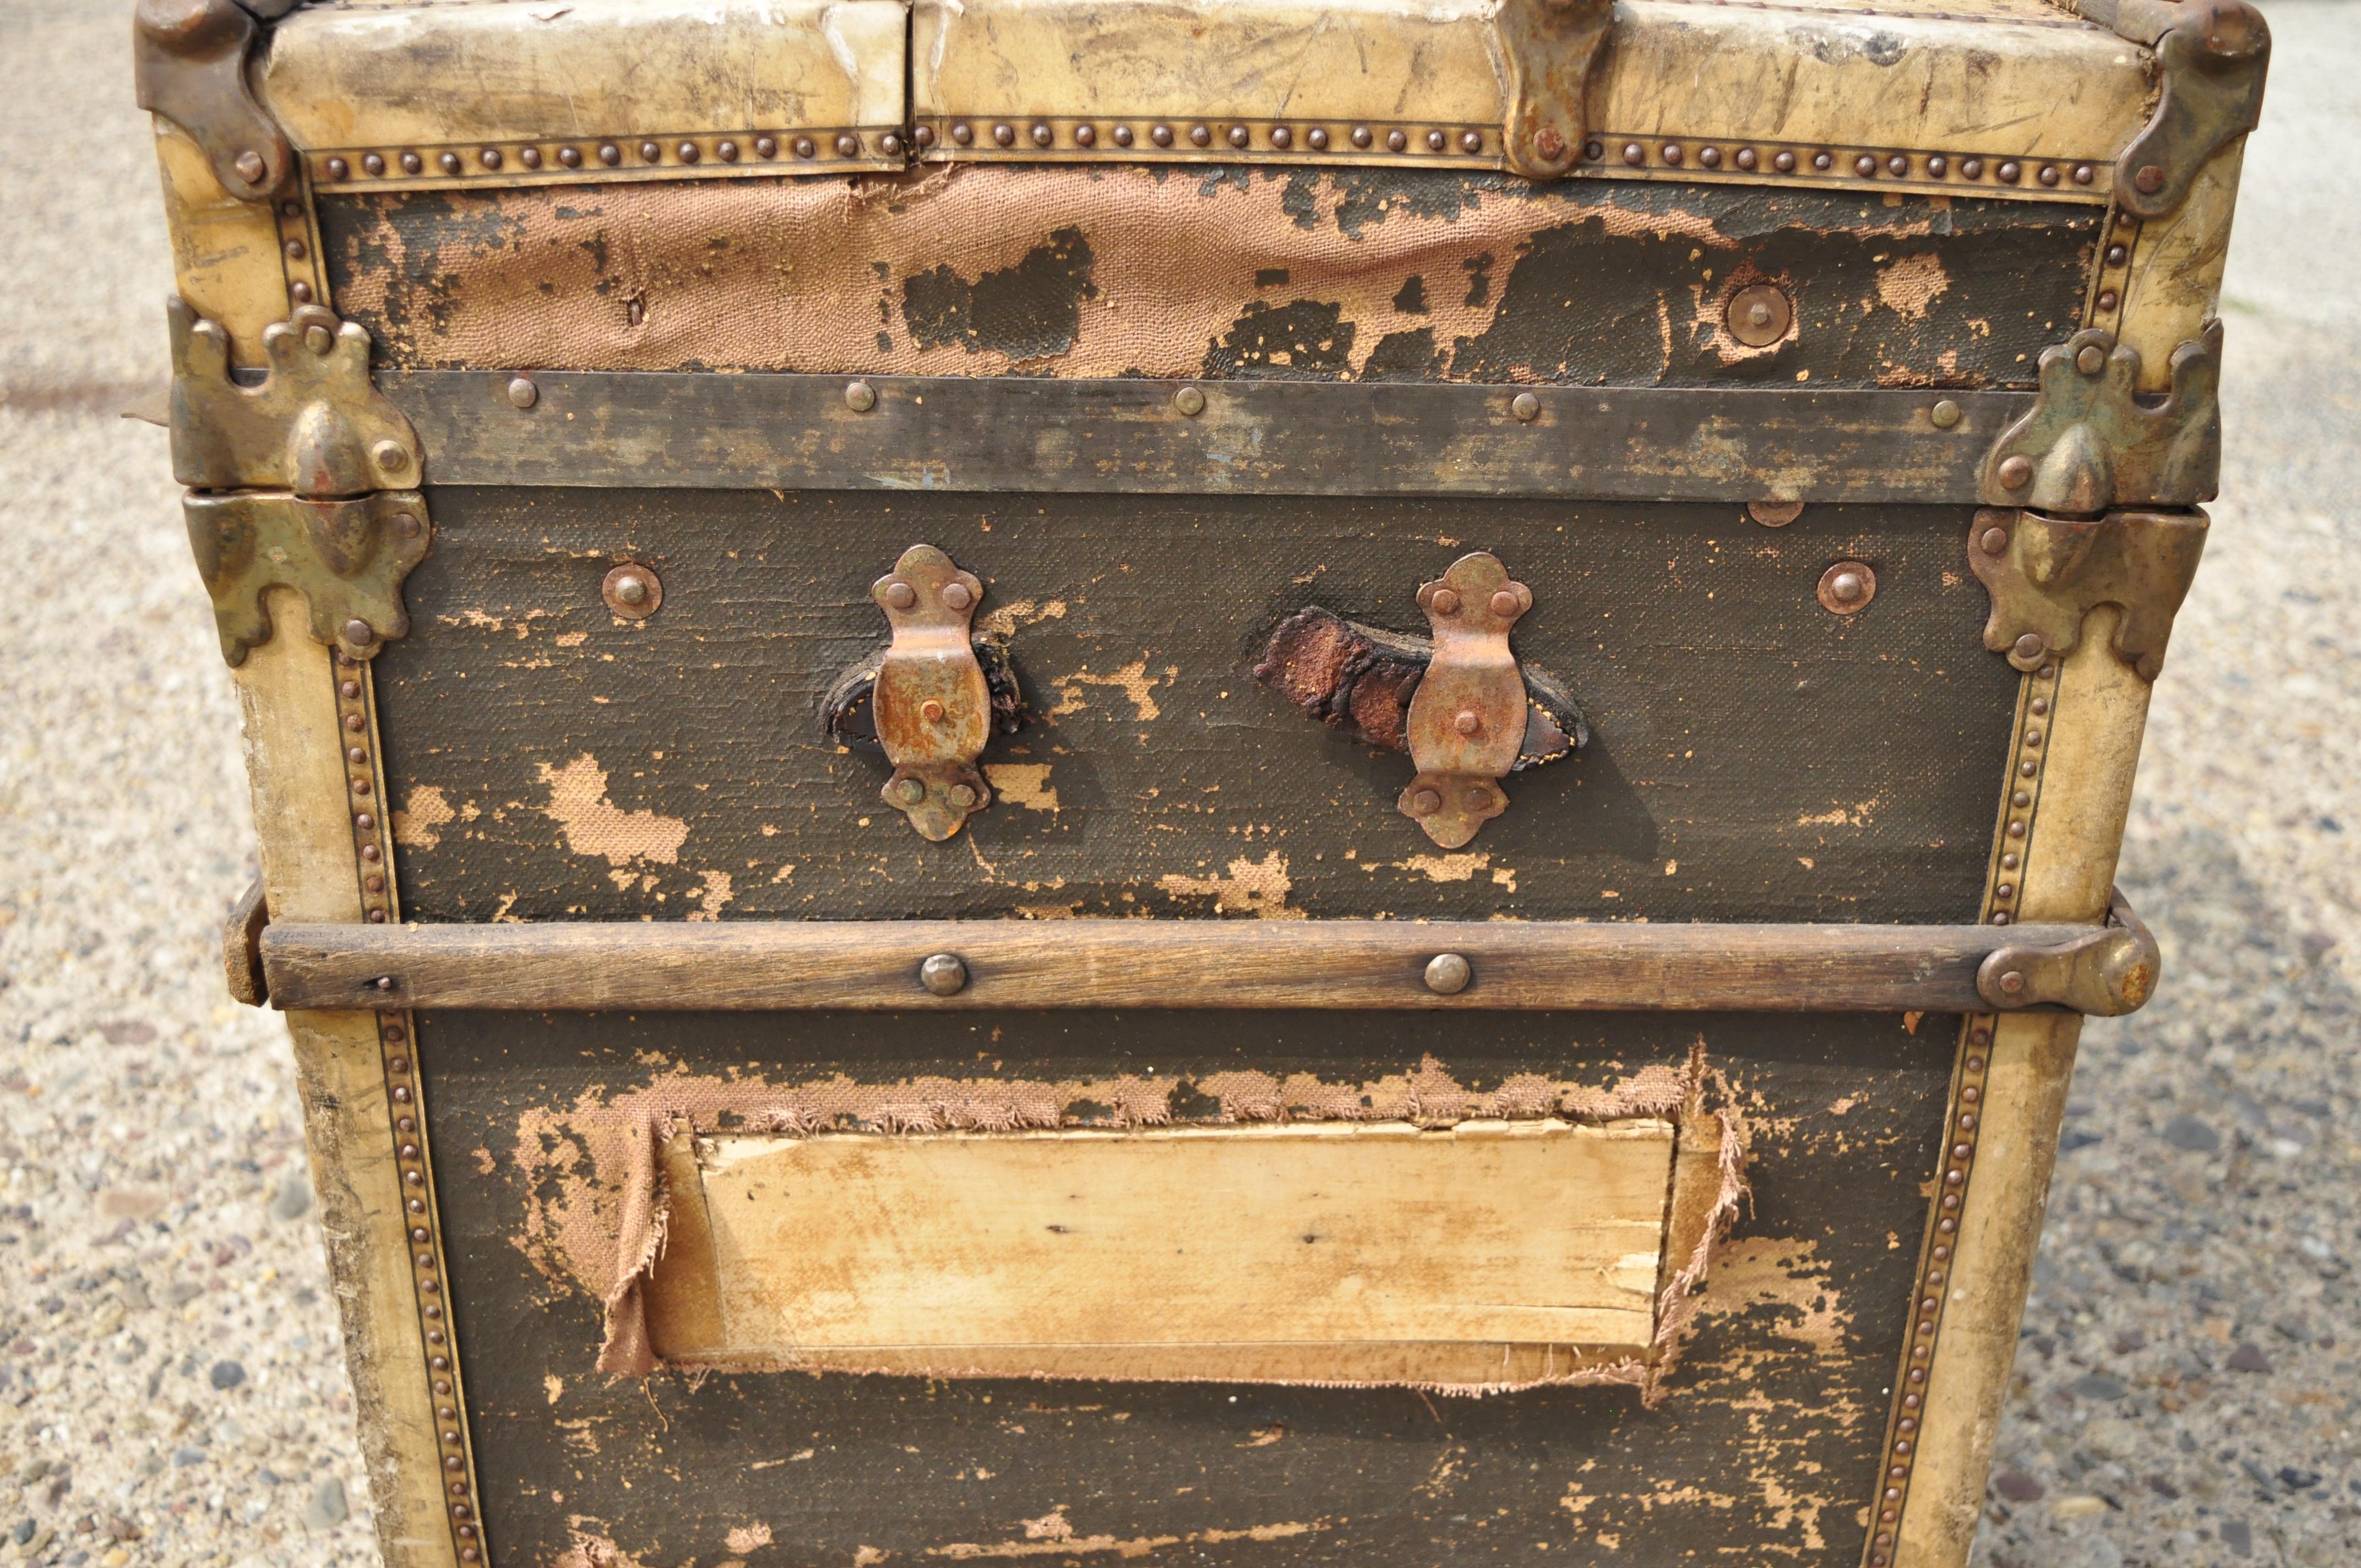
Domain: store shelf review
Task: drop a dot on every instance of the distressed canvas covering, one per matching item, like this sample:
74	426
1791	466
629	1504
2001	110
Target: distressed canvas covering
1219	781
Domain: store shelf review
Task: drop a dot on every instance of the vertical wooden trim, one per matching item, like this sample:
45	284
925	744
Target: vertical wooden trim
340	1073
2079	726
225	252
294	769
2176	269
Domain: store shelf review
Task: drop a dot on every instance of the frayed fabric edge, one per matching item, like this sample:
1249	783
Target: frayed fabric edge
626	1351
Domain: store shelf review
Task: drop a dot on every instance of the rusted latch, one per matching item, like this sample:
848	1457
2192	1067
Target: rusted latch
1468	718
316	426
2090	441
2212	55
931	708
2047	573
2106	973
304	481
1360	679
1551	47
189	59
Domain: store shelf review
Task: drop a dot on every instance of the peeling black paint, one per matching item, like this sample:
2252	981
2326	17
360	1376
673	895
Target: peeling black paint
1030	310
1305	340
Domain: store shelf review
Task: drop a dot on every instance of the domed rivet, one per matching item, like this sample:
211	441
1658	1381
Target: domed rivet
2030	646
1525	407
1447	974
1444	602
1190	401
1995	541
909	792
522	393
632	591
1469	722
2015	472
959	595
943	974
1847	587
1506	604
860	397
2091	359
1944	414
900	594
391	456
1426	802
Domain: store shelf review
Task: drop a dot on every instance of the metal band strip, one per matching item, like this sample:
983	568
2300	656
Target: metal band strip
627	429
1329	964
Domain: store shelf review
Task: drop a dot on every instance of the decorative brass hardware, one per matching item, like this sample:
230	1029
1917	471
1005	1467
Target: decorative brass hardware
1448	974
2105	973
347	557
2046	574
933	712
1468	718
189	65
1359	679
943	974
1847	587
1551	47
316	426
2089	443
2212	55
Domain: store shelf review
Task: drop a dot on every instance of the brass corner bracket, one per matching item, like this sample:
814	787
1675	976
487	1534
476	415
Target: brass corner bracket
2212	56
189	65
2090	443
1551	47
316	426
2108	972
2046	574
304	481
347	558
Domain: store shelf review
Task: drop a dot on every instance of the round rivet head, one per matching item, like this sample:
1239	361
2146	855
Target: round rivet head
632	591
1200	135
1435	141
1994	540
522	393
1525	407
2091	359
2011	983
943	974
489	157
1775	514
338	168
959	595
1847	587
1190	401
909	792
1397	141
250	167
1086	136
319	340
1447	974
1785	162
2030	646
963	796
373	163
1469	722
358	633
847	145
1506	603
1161	135
1549	144
1042	134
391	456
1758	314
860	397
2015	472
1445	601
1361	137
931	711
1944	414
1239	136
901	594
2149	179
1426	802
688	152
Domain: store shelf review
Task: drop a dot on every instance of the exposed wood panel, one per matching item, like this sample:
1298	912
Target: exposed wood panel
628	429
797	964
1219	1250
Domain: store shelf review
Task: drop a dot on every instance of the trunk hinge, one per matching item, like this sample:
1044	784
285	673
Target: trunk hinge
306	480
2089	443
1552	46
2105	974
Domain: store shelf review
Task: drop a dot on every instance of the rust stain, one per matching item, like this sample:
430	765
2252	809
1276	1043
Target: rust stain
417	819
595	825
1258	888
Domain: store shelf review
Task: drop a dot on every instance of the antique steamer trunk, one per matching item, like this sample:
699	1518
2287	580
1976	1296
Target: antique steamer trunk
1246	783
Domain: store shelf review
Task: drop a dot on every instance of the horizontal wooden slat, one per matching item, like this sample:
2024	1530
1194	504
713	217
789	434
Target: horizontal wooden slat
873	965
619	429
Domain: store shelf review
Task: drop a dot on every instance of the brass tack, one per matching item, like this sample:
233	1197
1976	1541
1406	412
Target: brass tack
2048	174
1161	135
1945	414
250	167
2017	471
1525	407
338	168
2007	173
1709	157
1190	401
1506	603
901	594
2029	646
959	595
1634	154
522	393
1785	162
1471	141
860	397
529	157
1824	161
1897	164
1444	601
1745	158
1316	138
1865	165
571	157
1938	165
1200	135
2107	299
1973	168
1361	137
726	150
806	147
1281	137
1042	134
1435	141
1240	136
296	250
609	154
1086	135
848	145
300	291
489	157
1123	136
650	152
1397	141
2084	174
1995	541
2040	705
358	633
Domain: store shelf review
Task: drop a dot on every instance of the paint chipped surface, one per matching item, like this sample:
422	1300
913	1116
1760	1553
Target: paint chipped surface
1910	286
1023	784
1133	680
417	819
595	825
1258	888
1040	1541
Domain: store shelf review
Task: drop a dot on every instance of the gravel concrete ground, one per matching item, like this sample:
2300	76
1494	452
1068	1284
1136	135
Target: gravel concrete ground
171	1390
